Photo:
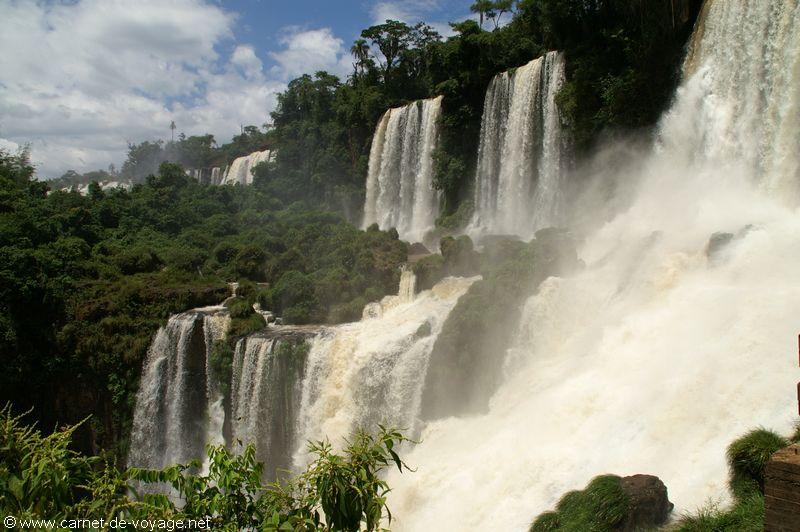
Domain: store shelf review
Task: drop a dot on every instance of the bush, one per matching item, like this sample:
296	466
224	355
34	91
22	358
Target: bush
293	289
601	507
40	478
250	262
747	515
240	308
221	361
137	260
747	459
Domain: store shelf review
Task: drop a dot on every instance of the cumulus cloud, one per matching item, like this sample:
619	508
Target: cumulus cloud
86	77
408	11
308	51
411	12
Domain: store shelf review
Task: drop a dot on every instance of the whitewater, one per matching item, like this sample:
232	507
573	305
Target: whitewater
662	350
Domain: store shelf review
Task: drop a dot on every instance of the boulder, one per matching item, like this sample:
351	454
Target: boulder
648	503
717	243
418	248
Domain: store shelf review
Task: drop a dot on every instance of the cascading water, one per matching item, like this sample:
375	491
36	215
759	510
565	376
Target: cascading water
400	191
521	156
179	406
287	380
266	392
240	171
364	373
664	348
216	176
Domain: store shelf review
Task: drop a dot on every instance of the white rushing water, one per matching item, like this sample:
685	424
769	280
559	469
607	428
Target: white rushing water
655	356
521	156
361	374
400	191
265	395
179	406
240	170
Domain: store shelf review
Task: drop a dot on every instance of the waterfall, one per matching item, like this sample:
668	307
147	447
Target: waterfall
521	151
179	406
369	372
216	176
265	395
667	345
240	171
400	191
289	384
206	176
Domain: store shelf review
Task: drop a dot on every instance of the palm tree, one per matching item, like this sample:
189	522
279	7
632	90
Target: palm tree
360	51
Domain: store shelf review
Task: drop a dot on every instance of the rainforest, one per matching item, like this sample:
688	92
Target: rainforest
529	270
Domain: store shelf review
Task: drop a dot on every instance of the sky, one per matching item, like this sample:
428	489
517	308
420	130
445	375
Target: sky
80	79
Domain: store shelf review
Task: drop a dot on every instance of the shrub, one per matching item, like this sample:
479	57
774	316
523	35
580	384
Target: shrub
745	516
747	459
40	478
250	262
221	360
293	289
240	308
601	507
137	260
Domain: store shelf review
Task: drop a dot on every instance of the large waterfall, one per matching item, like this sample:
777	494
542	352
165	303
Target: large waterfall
289	384
677	336
521	156
400	191
669	344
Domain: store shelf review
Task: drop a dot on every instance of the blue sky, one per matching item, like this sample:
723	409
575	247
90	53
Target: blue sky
89	76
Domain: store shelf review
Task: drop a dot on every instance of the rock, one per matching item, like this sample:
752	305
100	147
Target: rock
417	248
423	330
716	244
372	310
648	502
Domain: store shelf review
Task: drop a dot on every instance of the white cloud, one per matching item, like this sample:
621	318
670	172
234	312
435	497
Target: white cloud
411	12
308	51
85	78
408	11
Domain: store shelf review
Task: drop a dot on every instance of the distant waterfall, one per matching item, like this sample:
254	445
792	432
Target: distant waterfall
206	176
216	175
521	155
240	171
400	191
179	407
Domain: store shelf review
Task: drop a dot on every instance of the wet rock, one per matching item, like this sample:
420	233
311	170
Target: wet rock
716	244
648	502
423	330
